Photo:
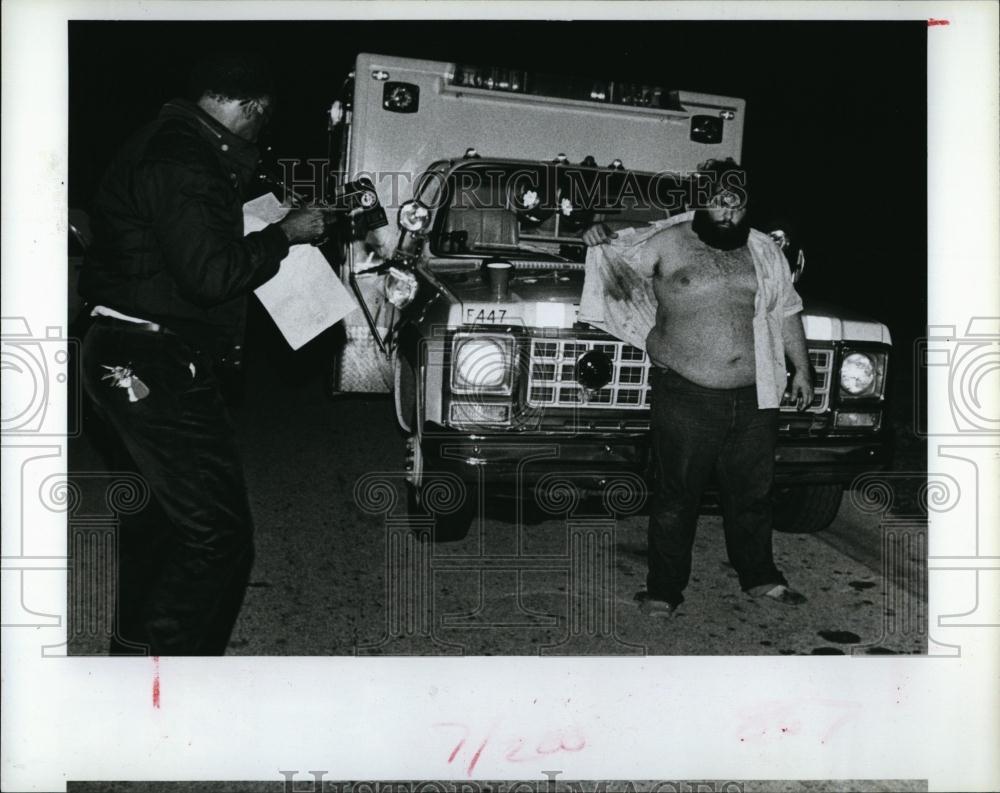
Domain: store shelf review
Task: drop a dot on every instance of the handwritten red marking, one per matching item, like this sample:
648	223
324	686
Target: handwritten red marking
475	757
461	741
932	22
513	755
569	740
849	710
156	682
784	718
560	745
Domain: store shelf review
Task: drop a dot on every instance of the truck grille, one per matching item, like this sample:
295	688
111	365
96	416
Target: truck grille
821	361
552	375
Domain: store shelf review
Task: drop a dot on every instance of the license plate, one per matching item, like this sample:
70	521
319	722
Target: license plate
483	316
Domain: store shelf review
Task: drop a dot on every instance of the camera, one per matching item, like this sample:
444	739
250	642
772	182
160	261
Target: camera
359	199
960	367
34	369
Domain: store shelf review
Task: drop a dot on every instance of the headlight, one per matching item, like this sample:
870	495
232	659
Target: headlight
862	374
482	364
413	216
400	287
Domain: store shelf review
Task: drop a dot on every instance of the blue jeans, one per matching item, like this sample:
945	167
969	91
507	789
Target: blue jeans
183	561
698	432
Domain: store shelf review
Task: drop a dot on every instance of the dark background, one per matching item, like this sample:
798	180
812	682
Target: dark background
835	128
835	140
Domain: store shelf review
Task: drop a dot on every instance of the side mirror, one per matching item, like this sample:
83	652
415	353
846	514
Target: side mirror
794	254
799	267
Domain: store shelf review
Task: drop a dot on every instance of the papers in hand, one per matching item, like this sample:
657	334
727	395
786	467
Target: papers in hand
306	297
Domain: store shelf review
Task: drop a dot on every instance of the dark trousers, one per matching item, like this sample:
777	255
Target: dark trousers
184	560
698	432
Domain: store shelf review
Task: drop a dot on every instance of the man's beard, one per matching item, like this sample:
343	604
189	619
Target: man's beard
725	238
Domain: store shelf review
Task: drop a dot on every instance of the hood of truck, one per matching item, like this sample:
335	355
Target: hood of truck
551	298
827	322
535	299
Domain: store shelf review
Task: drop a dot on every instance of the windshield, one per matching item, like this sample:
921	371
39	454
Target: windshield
538	211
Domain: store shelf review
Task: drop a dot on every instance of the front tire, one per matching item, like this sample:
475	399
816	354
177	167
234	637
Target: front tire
806	509
446	527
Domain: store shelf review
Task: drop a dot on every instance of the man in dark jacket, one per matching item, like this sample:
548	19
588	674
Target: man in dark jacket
166	281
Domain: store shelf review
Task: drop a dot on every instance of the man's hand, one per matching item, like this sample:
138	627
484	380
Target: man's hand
802	389
303	225
598	234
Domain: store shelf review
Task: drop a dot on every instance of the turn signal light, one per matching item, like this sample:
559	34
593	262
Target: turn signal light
858	420
401	97
400	287
413	216
706	129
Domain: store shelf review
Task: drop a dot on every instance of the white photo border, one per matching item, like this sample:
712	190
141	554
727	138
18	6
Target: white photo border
248	718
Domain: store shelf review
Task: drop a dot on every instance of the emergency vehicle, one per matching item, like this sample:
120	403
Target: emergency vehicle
501	388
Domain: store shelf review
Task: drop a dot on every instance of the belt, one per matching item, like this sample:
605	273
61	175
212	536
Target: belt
101	314
104	312
154	327
150	327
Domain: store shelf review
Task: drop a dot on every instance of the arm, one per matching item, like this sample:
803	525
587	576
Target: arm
792	331
795	348
191	209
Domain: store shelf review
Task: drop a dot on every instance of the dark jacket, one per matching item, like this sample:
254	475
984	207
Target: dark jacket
168	230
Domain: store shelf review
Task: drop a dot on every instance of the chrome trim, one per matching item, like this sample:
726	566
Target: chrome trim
552	375
821	361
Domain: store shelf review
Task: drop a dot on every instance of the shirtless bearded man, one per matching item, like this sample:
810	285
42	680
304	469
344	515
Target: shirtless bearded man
727	317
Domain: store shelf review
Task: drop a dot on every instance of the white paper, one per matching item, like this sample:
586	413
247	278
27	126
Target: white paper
306	297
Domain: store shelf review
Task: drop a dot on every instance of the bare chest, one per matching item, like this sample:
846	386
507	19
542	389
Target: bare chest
689	270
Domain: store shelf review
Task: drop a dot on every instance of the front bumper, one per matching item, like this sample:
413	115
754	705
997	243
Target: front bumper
509	460
830	461
592	457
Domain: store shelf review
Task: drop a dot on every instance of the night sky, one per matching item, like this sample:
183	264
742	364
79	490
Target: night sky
836	113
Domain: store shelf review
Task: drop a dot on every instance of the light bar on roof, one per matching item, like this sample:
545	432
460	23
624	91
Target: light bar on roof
492	78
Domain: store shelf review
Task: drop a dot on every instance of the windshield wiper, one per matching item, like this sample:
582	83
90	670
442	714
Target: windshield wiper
544	252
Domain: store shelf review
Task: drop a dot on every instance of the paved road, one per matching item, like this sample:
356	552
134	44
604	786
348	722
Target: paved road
334	578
